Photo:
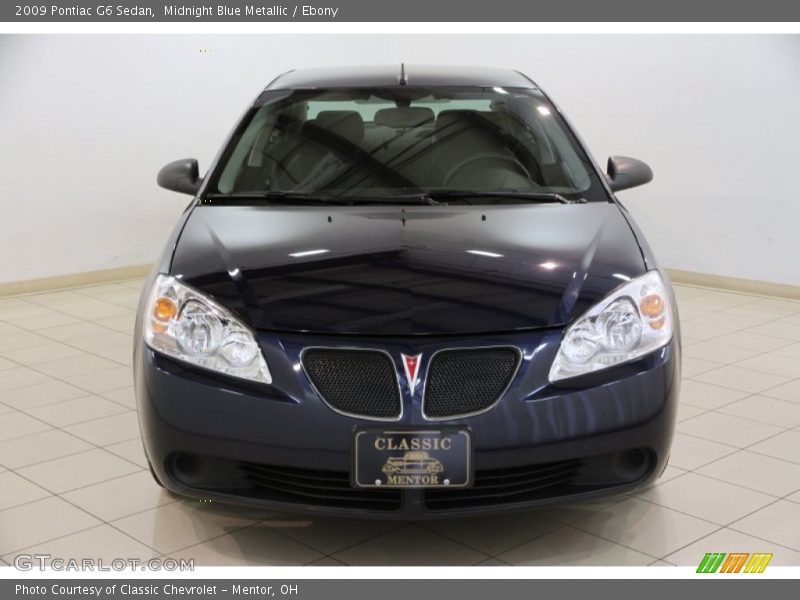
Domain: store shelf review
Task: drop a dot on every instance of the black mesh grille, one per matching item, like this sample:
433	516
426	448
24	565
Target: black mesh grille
359	382
466	381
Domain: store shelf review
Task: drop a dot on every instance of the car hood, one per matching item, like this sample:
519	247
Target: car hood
423	270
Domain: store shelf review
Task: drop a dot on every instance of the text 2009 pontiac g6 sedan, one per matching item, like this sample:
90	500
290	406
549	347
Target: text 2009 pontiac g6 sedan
405	292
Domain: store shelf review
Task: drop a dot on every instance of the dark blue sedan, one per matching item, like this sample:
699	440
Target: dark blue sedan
406	292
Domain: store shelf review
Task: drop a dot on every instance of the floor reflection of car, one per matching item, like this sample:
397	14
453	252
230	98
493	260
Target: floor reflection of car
412	463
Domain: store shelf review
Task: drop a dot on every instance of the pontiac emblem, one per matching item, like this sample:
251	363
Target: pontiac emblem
411	366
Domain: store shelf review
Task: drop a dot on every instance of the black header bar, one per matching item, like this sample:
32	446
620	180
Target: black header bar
155	11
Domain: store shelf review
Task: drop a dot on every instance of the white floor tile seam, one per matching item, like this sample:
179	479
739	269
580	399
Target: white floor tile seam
723	524
657	563
17	320
77	437
115	391
698	437
98	518
72	490
233	530
758	537
781	430
72	346
763	392
748	447
80	487
759	354
771	353
426	526
608	502
726	363
720	410
761	538
747	311
686	514
574	526
109	299
57	537
43	332
73	289
84	530
707	369
71	311
395	527
93	447
66	381
103	395
792	377
102	523
27	411
707	410
707	535
399	526
718	301
561	527
710	293
765	455
728	405
41	462
739	485
696	471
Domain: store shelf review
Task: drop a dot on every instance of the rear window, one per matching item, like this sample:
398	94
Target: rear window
361	142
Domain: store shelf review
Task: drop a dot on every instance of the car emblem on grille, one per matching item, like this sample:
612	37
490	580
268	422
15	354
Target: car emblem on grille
411	366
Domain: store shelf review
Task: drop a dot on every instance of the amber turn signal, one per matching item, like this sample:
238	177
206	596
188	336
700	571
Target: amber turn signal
165	308
652	305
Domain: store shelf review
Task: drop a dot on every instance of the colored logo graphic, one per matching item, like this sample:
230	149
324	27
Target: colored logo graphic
411	366
734	562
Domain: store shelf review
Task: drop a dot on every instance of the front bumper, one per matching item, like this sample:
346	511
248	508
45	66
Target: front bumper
282	447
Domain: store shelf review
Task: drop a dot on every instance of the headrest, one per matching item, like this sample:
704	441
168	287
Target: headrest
456	120
346	124
404	116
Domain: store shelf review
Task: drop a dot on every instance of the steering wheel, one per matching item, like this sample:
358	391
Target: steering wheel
496	158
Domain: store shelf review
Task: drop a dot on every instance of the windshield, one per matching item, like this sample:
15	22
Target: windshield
392	142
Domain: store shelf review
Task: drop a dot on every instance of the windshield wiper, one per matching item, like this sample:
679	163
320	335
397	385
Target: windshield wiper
465	195
422	197
441	197
281	197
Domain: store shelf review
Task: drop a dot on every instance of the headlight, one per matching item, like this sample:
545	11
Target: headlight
633	320
184	324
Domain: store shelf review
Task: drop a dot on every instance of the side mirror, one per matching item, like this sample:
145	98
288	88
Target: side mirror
625	173
181	176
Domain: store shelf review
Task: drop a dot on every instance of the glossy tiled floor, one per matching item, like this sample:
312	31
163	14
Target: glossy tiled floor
73	481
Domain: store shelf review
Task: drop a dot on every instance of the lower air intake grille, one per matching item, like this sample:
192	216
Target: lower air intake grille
357	382
508	486
466	381
312	487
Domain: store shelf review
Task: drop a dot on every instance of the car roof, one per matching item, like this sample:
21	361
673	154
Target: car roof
393	75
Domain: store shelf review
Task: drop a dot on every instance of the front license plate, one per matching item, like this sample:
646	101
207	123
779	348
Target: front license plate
412	459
